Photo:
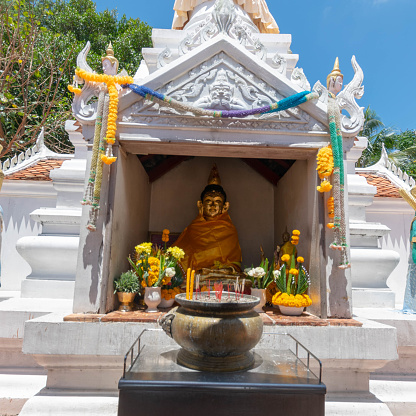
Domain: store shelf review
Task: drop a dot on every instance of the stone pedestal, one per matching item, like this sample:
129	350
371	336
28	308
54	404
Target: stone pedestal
349	355
52	254
370	265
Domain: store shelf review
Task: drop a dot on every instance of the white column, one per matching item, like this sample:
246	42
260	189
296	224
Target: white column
52	254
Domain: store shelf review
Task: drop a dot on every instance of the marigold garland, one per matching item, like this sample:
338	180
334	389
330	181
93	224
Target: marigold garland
325	186
297	301
110	81
75	90
168	294
325	162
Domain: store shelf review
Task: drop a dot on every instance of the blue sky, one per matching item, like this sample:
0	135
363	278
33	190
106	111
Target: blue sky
380	33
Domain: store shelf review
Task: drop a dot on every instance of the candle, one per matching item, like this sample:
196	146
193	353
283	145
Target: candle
191	291
244	282
188	275
209	288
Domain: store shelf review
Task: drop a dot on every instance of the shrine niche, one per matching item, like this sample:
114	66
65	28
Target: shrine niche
218	101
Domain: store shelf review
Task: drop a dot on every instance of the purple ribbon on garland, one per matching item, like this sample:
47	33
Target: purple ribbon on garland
284	104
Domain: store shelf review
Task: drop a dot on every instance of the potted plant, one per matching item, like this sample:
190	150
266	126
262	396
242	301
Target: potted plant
292	282
126	287
261	277
155	268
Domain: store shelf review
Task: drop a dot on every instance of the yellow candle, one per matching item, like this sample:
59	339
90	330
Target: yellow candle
188	274
191	291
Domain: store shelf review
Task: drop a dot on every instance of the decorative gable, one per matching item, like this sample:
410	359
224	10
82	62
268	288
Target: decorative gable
231	79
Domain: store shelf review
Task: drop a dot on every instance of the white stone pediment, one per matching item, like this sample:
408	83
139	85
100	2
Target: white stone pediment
222	75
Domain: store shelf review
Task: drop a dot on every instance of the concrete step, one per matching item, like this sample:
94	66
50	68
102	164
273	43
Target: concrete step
399	395
16	389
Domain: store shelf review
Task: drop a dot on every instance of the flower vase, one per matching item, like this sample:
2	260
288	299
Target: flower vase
260	293
126	301
166	303
152	298
291	310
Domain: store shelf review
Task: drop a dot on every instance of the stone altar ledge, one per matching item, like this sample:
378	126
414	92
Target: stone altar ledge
272	316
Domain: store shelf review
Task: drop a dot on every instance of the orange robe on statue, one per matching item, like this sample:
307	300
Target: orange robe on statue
206	242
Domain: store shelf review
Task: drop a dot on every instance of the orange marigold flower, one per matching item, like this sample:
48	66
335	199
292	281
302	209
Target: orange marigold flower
296	232
285	257
300	259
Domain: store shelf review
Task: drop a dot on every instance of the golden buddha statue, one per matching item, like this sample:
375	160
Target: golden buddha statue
287	247
211	242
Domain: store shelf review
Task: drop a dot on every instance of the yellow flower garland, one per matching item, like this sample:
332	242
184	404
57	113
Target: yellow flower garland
168	294
110	81
73	89
297	301
325	159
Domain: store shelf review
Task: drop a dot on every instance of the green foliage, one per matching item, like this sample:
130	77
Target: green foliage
128	282
39	42
290	284
400	146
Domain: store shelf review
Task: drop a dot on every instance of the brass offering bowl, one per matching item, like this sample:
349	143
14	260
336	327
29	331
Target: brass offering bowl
215	336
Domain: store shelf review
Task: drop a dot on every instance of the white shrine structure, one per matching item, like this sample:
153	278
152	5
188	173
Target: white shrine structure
268	169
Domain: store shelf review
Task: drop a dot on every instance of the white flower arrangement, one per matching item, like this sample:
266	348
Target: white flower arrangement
170	272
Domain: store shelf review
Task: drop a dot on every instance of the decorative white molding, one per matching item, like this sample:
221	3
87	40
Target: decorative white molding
31	156
220	83
299	78
280	63
163	57
353	124
224	19
386	168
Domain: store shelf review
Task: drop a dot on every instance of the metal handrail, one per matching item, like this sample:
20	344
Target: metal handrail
133	358
130	351
309	353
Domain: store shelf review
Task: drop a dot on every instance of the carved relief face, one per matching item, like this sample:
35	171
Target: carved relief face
109	68
221	93
335	85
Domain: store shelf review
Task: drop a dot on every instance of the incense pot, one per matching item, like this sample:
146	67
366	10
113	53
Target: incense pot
215	335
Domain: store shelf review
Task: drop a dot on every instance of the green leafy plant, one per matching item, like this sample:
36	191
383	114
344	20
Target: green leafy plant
261	276
128	282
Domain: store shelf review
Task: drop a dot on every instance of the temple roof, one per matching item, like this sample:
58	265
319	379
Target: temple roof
35	163
385	188
387	177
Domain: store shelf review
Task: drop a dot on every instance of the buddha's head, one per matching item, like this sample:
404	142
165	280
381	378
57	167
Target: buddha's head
335	79
213	200
110	62
286	236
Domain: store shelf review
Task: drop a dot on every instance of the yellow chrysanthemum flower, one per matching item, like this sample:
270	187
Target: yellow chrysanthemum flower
143	248
300	259
285	257
296	232
176	252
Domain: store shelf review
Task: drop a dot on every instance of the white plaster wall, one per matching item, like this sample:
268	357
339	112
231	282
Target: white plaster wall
397	215
292	200
174	198
130	216
17	224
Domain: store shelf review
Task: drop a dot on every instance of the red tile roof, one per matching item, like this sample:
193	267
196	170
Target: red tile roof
384	187
38	172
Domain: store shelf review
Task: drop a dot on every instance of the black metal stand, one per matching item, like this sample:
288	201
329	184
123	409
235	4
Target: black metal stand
279	383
